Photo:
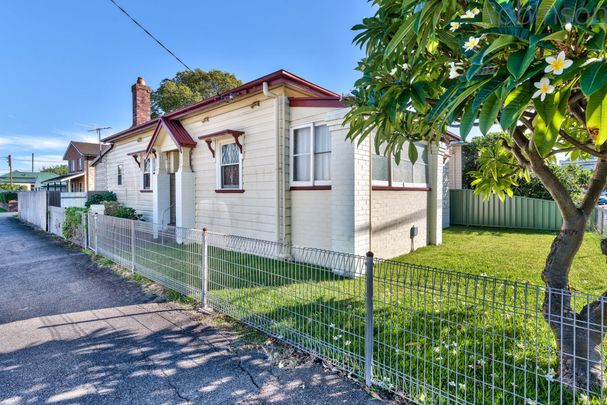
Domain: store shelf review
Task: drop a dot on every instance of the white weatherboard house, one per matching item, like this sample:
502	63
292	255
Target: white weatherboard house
270	160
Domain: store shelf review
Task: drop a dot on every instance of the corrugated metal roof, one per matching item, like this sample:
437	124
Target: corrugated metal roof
176	131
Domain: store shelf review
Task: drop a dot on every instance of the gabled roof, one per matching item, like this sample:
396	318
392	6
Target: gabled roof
273	79
176	131
86	149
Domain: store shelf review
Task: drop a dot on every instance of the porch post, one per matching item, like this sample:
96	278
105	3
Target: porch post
160	193
185	194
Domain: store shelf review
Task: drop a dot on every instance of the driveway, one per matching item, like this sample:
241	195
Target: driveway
71	332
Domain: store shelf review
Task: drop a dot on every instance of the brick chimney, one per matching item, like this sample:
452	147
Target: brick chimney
141	102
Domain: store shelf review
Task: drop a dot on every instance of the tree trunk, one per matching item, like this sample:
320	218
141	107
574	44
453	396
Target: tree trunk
578	335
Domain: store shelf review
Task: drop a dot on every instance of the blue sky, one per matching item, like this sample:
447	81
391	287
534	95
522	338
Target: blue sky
67	65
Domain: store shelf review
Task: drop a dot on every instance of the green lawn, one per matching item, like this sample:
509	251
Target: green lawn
517	255
476	337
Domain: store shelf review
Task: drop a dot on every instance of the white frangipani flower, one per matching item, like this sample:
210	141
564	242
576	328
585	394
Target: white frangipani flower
544	87
454	26
469	14
558	64
471	43
455	70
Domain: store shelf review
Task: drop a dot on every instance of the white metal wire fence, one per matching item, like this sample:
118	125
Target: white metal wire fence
431	335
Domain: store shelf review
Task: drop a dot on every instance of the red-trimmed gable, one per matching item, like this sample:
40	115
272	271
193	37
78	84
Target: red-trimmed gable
176	131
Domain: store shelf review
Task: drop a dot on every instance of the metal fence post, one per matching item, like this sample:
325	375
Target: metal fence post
96	234
204	276
369	320
85	229
132	246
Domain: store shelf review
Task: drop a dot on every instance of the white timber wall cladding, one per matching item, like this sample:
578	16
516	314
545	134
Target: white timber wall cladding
100	170
311	218
393	215
252	213
129	193
311	212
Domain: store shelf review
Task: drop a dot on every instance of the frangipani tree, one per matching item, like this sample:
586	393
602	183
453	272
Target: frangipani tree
537	68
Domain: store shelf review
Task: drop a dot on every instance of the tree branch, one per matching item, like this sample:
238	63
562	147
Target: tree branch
596	187
584	147
518	154
554	186
564	150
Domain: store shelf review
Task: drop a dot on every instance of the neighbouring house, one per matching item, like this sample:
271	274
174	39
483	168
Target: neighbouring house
270	160
29	180
588	164
81	175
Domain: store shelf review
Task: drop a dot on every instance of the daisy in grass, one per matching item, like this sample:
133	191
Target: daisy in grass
544	87
471	43
558	64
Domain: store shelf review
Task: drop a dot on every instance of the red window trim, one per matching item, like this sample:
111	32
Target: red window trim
390	188
298	188
229	190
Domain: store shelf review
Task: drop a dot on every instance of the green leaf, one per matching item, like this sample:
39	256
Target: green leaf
596	115
488	89
467	121
520	61
515	104
593	78
542	11
488	114
505	10
597	42
551	114
412	152
405	31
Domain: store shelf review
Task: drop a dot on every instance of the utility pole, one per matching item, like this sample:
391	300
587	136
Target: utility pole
98	130
10	169
32	162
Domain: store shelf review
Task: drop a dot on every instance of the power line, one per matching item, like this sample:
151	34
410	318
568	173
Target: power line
150	35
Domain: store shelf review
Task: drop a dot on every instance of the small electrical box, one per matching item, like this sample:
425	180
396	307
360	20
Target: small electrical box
414	231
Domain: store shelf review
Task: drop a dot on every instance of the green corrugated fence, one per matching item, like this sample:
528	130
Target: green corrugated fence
516	212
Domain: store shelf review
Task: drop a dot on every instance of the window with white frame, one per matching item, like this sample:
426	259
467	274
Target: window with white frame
147	174
72	166
229	174
386	172
310	155
119	175
80	164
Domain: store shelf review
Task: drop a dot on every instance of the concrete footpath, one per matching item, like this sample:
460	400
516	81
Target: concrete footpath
74	333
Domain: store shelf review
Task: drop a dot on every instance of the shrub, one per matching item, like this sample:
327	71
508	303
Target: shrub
73	220
100	197
114	209
7	196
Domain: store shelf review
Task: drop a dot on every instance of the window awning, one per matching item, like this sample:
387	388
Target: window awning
208	138
135	155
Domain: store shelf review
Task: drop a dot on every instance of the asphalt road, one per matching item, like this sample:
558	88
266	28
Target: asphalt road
73	333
